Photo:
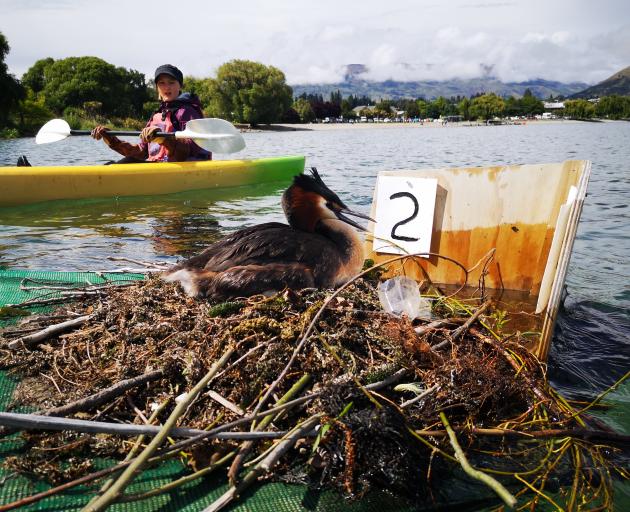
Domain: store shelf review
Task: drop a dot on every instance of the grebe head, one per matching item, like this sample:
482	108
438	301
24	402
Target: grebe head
308	200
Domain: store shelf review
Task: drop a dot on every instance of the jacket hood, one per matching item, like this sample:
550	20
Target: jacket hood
185	98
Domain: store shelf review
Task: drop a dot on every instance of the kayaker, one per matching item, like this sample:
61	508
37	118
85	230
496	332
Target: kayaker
176	108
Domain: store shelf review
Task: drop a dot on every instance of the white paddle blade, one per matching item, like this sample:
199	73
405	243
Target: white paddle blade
53	131
216	135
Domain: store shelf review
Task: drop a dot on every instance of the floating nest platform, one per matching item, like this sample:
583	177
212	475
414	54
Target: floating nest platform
320	388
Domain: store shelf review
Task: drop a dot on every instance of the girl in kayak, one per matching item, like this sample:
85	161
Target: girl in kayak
176	109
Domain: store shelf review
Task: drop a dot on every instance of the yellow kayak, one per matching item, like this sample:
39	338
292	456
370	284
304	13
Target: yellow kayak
24	185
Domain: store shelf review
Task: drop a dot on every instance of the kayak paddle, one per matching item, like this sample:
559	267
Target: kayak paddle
216	135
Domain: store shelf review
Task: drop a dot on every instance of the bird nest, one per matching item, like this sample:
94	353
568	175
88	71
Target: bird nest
322	387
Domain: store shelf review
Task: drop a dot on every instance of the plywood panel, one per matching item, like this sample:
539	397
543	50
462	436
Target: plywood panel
512	209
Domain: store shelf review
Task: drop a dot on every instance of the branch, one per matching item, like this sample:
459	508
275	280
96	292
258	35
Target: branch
491	482
49	332
116	490
37	422
266	464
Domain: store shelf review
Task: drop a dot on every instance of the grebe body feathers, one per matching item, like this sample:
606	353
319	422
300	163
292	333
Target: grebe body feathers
318	248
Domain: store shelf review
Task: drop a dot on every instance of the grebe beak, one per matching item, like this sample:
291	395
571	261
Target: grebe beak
339	212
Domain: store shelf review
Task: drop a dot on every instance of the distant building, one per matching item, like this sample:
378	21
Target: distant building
357	110
553	105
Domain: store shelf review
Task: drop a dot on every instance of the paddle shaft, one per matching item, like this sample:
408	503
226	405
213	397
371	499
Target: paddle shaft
121	133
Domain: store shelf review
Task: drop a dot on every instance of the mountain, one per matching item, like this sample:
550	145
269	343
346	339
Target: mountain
619	84
355	84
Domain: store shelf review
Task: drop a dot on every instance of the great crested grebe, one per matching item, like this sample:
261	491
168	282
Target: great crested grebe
319	248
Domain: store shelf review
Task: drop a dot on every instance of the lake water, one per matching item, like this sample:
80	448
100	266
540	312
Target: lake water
591	347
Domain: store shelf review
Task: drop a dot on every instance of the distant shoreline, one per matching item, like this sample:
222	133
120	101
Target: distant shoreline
282	127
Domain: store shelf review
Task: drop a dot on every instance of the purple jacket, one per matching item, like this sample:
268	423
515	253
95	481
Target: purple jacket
171	117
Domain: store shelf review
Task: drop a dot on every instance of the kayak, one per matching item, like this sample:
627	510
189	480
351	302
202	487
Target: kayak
25	185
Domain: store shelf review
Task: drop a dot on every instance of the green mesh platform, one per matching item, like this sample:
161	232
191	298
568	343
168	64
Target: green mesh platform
270	497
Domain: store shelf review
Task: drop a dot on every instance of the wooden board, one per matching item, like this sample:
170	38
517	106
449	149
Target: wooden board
511	209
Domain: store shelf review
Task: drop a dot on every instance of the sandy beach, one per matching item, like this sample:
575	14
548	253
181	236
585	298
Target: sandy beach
426	125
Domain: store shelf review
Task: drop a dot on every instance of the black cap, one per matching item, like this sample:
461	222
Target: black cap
168	69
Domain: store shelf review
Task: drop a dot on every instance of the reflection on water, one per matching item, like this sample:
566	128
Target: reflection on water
592	341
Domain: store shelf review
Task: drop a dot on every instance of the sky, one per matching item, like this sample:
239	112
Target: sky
312	41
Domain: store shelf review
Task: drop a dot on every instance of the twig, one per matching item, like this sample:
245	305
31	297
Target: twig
328	300
539	394
592	436
37	422
49	332
116	490
463	328
139	262
436	324
139	440
96	399
103	396
491	482
247	445
177	483
177	447
225	402
266	464
422	395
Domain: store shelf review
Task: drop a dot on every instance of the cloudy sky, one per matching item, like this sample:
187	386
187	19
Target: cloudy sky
312	41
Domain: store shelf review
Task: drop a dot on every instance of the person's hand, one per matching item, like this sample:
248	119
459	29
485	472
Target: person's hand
100	132
148	135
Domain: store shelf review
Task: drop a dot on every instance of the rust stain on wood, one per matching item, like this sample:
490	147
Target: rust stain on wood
520	249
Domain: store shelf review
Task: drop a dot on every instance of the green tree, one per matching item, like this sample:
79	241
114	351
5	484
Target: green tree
303	107
249	92
530	105
201	87
613	107
346	109
11	92
486	106
513	107
73	81
423	108
34	79
463	107
441	107
411	109
31	114
384	109
579	109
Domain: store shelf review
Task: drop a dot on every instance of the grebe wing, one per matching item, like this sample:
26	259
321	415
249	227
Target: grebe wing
272	242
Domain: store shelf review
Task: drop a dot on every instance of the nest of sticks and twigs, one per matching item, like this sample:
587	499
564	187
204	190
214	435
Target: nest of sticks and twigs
317	387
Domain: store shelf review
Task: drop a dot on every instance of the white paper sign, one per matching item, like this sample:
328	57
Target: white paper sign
404	214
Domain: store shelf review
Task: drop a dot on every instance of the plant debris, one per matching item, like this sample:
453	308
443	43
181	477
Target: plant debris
375	384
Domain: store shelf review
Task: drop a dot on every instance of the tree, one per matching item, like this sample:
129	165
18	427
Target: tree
613	107
346	110
304	110
383	109
31	114
530	105
423	108
201	87
411	109
34	79
249	92
463	107
579	109
513	107
74	81
11	92
486	106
